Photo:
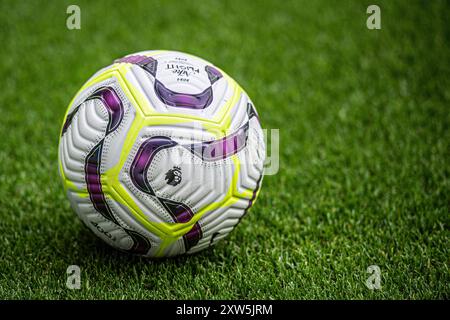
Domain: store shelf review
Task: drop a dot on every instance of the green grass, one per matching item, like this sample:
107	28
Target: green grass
364	161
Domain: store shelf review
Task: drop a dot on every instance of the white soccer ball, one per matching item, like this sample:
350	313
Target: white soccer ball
161	153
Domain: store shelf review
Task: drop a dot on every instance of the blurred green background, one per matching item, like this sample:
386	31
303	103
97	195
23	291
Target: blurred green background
364	158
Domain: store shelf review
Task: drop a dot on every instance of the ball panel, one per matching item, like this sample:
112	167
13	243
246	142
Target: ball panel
84	134
182	84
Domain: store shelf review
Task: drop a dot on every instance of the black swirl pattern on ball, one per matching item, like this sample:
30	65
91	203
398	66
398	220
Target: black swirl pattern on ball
207	151
179	212
114	106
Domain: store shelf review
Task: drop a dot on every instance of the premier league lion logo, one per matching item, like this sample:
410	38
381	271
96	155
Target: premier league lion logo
173	176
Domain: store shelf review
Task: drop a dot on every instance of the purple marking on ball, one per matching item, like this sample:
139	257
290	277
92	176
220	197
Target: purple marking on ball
93	182
69	119
222	148
213	74
192	237
147	63
183	214
143	159
180	212
183	100
113	105
135	59
92	163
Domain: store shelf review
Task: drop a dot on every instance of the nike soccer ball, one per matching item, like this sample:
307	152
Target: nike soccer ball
161	153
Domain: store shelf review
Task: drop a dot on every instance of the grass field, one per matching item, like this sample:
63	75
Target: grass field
364	160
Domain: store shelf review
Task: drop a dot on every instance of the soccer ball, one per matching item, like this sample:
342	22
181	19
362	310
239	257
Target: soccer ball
161	154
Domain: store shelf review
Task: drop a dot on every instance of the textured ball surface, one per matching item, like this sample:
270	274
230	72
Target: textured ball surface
161	153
